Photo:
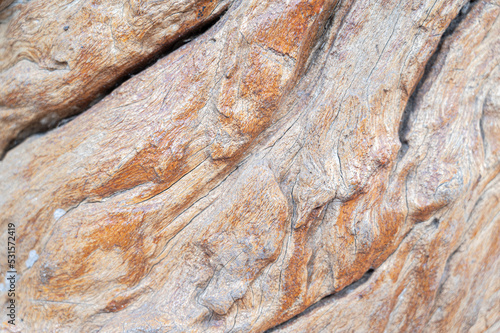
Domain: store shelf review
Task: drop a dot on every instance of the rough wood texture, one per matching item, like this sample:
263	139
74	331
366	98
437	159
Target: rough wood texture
58	56
301	166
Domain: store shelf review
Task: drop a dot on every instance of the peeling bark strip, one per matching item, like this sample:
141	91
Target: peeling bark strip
254	174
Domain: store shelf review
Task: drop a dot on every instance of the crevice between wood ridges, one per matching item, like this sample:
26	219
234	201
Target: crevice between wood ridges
147	62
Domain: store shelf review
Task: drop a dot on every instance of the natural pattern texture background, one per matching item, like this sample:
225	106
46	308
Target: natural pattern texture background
295	166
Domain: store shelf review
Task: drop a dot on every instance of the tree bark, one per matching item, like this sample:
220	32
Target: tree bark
244	166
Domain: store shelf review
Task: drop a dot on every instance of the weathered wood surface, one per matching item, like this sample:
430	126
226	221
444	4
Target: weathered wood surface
57	56
334	162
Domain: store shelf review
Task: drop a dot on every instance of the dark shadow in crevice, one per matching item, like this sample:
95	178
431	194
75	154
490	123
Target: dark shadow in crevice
404	125
327	299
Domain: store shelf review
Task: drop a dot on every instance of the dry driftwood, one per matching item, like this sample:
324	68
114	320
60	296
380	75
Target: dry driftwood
56	56
300	166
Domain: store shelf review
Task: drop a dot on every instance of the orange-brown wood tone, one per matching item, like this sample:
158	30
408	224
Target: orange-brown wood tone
282	166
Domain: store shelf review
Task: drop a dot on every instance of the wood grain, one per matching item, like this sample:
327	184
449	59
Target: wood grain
301	166
57	57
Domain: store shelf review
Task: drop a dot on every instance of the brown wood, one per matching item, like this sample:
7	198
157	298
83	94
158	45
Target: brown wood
300	166
57	56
